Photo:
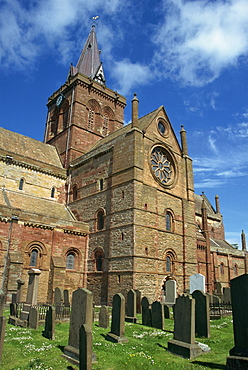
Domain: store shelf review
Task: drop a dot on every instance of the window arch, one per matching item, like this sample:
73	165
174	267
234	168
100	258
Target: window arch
34	258
93	114
21	184
169	258
108	117
100	219
70	261
169	222
99	257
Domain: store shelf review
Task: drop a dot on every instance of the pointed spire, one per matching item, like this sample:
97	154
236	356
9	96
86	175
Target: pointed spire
89	62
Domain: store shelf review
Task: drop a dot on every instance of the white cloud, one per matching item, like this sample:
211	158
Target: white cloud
201	38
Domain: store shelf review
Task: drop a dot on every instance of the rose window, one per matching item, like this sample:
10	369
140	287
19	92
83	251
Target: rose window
161	166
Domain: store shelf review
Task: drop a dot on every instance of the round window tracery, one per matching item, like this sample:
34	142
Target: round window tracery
161	165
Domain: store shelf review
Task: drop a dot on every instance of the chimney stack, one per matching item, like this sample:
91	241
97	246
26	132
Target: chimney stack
135	110
217	204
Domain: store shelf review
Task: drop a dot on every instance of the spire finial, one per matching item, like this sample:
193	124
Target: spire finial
93	20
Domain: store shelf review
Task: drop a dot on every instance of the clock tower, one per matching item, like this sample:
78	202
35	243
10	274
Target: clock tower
83	110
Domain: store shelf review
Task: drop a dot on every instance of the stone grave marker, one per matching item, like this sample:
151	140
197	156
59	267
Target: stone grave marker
138	300
170	292
103	321
81	313
227	295
183	342
166	311
146	312
58	300
157	312
238	358
131	306
2	333
49	331
118	320
2	300
33	318
202	319
197	282
32	293
66	298
20	284
85	348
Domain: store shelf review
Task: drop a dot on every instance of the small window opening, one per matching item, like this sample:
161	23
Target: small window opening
101	184
33	258
99	260
168	221
21	184
119	279
146	206
70	261
122	236
168	264
146	251
52	192
123	194
100	220
74	192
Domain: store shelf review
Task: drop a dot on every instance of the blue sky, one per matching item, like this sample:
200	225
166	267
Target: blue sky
190	56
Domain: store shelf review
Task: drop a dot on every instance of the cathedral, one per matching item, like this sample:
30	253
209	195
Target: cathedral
103	205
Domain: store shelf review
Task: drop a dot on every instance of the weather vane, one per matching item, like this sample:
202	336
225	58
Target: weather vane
94	19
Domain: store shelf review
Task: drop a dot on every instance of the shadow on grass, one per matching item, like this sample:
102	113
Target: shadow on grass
210	365
61	347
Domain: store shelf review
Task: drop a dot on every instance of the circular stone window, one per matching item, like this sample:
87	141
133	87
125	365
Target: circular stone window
162	166
161	127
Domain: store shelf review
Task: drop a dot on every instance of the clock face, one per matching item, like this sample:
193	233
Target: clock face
59	100
162	166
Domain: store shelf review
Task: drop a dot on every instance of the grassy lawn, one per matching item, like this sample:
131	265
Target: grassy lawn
26	349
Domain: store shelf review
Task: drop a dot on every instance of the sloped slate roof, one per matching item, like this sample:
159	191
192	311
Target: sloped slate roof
221	243
33	150
198	204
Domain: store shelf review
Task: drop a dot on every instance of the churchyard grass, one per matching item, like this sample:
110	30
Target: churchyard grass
26	349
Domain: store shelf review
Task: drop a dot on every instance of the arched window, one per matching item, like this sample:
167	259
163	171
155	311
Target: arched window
65	108
100	219
55	121
70	261
34	258
21	184
99	260
91	119
74	192
101	184
105	124
168	221
52	192
222	268
168	264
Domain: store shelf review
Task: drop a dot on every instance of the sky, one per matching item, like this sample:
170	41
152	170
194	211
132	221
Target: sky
190	56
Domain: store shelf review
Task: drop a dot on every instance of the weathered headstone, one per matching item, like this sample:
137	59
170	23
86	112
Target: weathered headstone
85	348
202	320
197	282
118	320
66	298
183	343
2	300
103	321
131	306
13	309
238	358
218	288
170	292
227	295
157	312
58	300
32	293
138	300
146	312
20	284
49	331
166	311
33	318
81	313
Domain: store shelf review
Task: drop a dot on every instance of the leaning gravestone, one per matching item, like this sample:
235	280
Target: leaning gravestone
197	282
183	343
157	315
170	292
103	321
81	313
49	331
202	320
131	306
118	320
238	358
146	312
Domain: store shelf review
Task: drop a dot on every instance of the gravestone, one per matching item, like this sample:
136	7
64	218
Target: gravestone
118	320
183	342
138	300
146	312
202	319
2	333
131	307
33	318
238	358
66	298
103	321
227	295
170	292
157	312
32	293
85	348
13	309
197	282
81	313
58	300
218	288
2	300
166	311
20	284
49	331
